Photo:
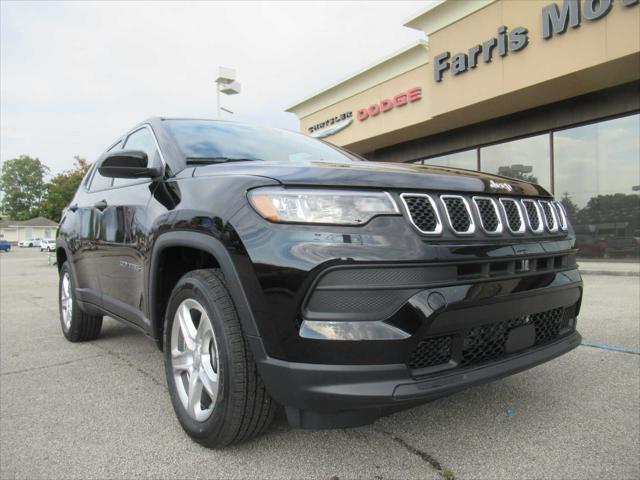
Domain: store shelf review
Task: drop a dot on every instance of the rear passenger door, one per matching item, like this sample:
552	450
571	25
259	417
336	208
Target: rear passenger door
124	228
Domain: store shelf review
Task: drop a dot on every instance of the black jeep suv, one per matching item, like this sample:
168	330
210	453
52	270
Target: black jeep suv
273	268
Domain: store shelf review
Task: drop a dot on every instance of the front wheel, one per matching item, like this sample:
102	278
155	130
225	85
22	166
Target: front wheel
216	391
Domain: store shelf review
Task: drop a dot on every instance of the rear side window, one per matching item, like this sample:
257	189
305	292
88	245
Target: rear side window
141	139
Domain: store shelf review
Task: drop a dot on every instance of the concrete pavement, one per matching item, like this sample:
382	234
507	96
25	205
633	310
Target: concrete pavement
101	409
621	267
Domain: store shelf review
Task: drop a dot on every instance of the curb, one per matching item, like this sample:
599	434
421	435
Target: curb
609	272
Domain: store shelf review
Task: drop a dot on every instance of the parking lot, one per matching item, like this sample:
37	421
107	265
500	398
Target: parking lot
101	409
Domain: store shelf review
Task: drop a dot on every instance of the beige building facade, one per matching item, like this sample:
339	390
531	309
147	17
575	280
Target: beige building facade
14	231
542	90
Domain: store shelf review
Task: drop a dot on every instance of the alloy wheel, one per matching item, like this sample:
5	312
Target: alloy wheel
66	300
194	358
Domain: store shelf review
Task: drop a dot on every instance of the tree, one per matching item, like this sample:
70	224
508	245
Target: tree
62	188
23	186
569	205
618	208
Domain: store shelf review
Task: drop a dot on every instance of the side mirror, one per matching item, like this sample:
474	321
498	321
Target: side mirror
128	164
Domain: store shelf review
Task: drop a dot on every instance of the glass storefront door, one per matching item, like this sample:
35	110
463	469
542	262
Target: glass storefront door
597	177
467	160
596	174
525	159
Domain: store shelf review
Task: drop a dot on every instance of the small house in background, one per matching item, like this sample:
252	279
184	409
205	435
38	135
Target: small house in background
15	230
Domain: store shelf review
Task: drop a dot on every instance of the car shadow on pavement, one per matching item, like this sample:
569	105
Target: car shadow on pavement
112	329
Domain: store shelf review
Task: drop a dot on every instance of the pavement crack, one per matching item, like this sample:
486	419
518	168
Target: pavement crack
444	472
129	364
51	365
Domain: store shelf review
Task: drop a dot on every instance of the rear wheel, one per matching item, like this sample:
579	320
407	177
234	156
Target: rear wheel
77	326
214	385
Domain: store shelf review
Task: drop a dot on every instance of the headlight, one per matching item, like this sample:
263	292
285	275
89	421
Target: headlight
338	207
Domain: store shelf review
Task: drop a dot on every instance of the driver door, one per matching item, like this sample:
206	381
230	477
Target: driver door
124	228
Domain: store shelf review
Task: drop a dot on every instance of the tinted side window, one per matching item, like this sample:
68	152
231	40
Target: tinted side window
139	140
98	182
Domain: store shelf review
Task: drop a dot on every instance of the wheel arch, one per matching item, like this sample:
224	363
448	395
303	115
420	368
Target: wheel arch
61	256
210	246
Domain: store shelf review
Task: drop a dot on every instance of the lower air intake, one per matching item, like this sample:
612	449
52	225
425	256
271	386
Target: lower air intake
486	343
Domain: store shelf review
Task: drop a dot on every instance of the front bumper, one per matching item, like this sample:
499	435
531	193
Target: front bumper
339	396
336	395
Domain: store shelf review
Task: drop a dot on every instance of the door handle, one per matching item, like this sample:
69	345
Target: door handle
101	205
73	207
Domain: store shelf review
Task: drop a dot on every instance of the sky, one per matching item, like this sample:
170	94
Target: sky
75	76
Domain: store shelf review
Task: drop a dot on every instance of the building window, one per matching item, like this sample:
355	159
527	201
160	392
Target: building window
47	233
467	159
525	159
29	233
597	177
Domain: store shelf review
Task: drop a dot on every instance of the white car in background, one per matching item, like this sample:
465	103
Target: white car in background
30	242
48	244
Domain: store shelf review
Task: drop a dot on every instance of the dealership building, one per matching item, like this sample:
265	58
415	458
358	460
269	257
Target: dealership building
547	91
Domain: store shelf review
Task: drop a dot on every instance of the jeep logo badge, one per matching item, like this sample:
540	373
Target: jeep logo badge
498	185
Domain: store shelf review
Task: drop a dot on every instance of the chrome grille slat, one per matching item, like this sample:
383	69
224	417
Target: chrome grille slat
422	212
562	216
489	215
549	214
459	214
534	217
513	213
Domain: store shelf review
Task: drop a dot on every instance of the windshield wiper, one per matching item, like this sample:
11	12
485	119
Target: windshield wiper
212	160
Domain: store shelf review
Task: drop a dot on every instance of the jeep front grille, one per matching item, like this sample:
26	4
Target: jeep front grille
506	215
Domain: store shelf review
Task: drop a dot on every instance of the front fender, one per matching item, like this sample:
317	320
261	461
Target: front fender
215	248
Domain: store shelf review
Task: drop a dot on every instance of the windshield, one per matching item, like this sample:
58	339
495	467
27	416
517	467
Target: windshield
202	140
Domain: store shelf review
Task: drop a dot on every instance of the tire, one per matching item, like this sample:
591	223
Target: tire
239	406
77	326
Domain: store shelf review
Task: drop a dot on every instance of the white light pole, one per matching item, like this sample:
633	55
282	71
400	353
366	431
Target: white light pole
225	83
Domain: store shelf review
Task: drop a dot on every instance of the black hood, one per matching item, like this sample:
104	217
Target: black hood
395	176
